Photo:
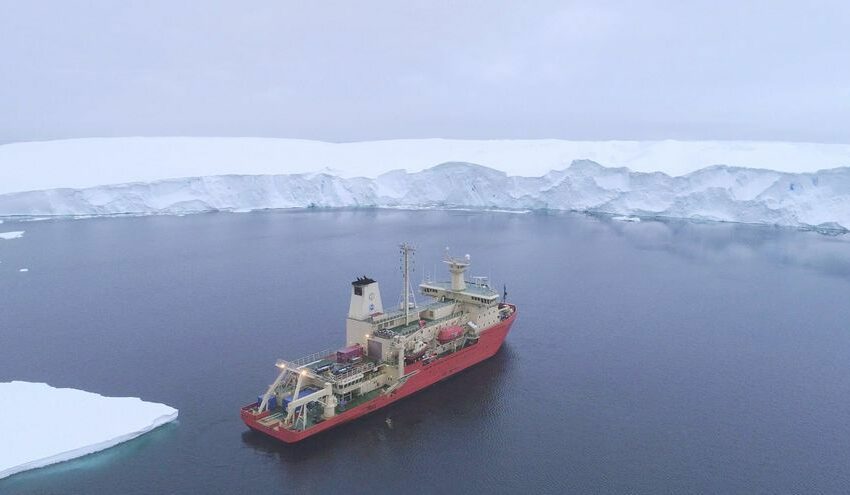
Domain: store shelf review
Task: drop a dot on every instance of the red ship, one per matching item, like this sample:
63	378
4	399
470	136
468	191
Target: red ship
389	355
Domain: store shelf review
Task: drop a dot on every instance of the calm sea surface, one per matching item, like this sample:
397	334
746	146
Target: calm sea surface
647	358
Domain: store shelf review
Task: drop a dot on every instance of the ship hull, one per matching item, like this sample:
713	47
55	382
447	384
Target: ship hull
419	376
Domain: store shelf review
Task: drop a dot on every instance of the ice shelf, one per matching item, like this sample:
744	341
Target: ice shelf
790	184
88	162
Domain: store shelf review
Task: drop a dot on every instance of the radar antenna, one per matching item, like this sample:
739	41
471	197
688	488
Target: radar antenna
456	267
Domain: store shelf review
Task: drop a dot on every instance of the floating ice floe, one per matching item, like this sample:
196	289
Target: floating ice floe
621	218
42	425
22	270
12	235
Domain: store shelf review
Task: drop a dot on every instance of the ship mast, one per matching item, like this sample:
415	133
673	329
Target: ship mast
457	266
406	253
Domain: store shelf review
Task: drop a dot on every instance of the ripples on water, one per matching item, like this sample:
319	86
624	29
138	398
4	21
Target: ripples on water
648	357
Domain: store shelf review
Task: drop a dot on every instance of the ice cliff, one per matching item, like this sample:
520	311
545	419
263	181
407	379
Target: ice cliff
720	193
793	184
81	163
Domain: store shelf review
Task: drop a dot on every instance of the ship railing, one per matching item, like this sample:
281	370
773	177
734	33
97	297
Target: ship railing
312	358
359	368
384	333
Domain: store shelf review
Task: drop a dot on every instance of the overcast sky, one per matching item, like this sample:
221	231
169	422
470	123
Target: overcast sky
355	70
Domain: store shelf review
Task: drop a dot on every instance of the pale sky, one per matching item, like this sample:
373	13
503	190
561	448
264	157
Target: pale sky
350	71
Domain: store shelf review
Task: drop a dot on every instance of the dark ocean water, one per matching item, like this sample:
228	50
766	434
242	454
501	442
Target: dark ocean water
647	358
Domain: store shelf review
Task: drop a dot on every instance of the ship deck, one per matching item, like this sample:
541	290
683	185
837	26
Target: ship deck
366	365
420	375
278	415
412	326
398	313
472	289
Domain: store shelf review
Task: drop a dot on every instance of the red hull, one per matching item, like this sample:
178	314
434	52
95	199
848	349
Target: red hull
421	376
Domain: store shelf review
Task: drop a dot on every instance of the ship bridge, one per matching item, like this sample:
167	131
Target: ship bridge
477	291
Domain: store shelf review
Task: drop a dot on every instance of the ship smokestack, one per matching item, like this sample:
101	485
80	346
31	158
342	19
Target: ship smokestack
365	298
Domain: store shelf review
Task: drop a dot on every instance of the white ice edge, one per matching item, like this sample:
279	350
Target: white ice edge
789	184
720	193
622	218
12	235
33	437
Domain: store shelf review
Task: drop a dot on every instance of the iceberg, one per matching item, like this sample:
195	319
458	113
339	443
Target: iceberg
12	235
34	436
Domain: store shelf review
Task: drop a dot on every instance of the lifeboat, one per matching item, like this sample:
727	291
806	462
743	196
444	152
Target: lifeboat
449	334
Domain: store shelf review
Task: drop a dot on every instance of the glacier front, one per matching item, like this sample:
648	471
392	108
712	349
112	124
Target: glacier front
88	162
819	199
42	425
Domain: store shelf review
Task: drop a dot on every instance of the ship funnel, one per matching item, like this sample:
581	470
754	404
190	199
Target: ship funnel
365	298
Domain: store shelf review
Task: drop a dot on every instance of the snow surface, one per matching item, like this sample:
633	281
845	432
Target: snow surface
82	163
42	425
813	199
12	235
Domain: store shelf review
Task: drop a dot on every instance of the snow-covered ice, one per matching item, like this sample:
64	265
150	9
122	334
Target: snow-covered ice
720	193
791	184
12	235
32	435
82	163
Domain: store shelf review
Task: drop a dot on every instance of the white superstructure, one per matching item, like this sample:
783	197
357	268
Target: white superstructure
380	345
